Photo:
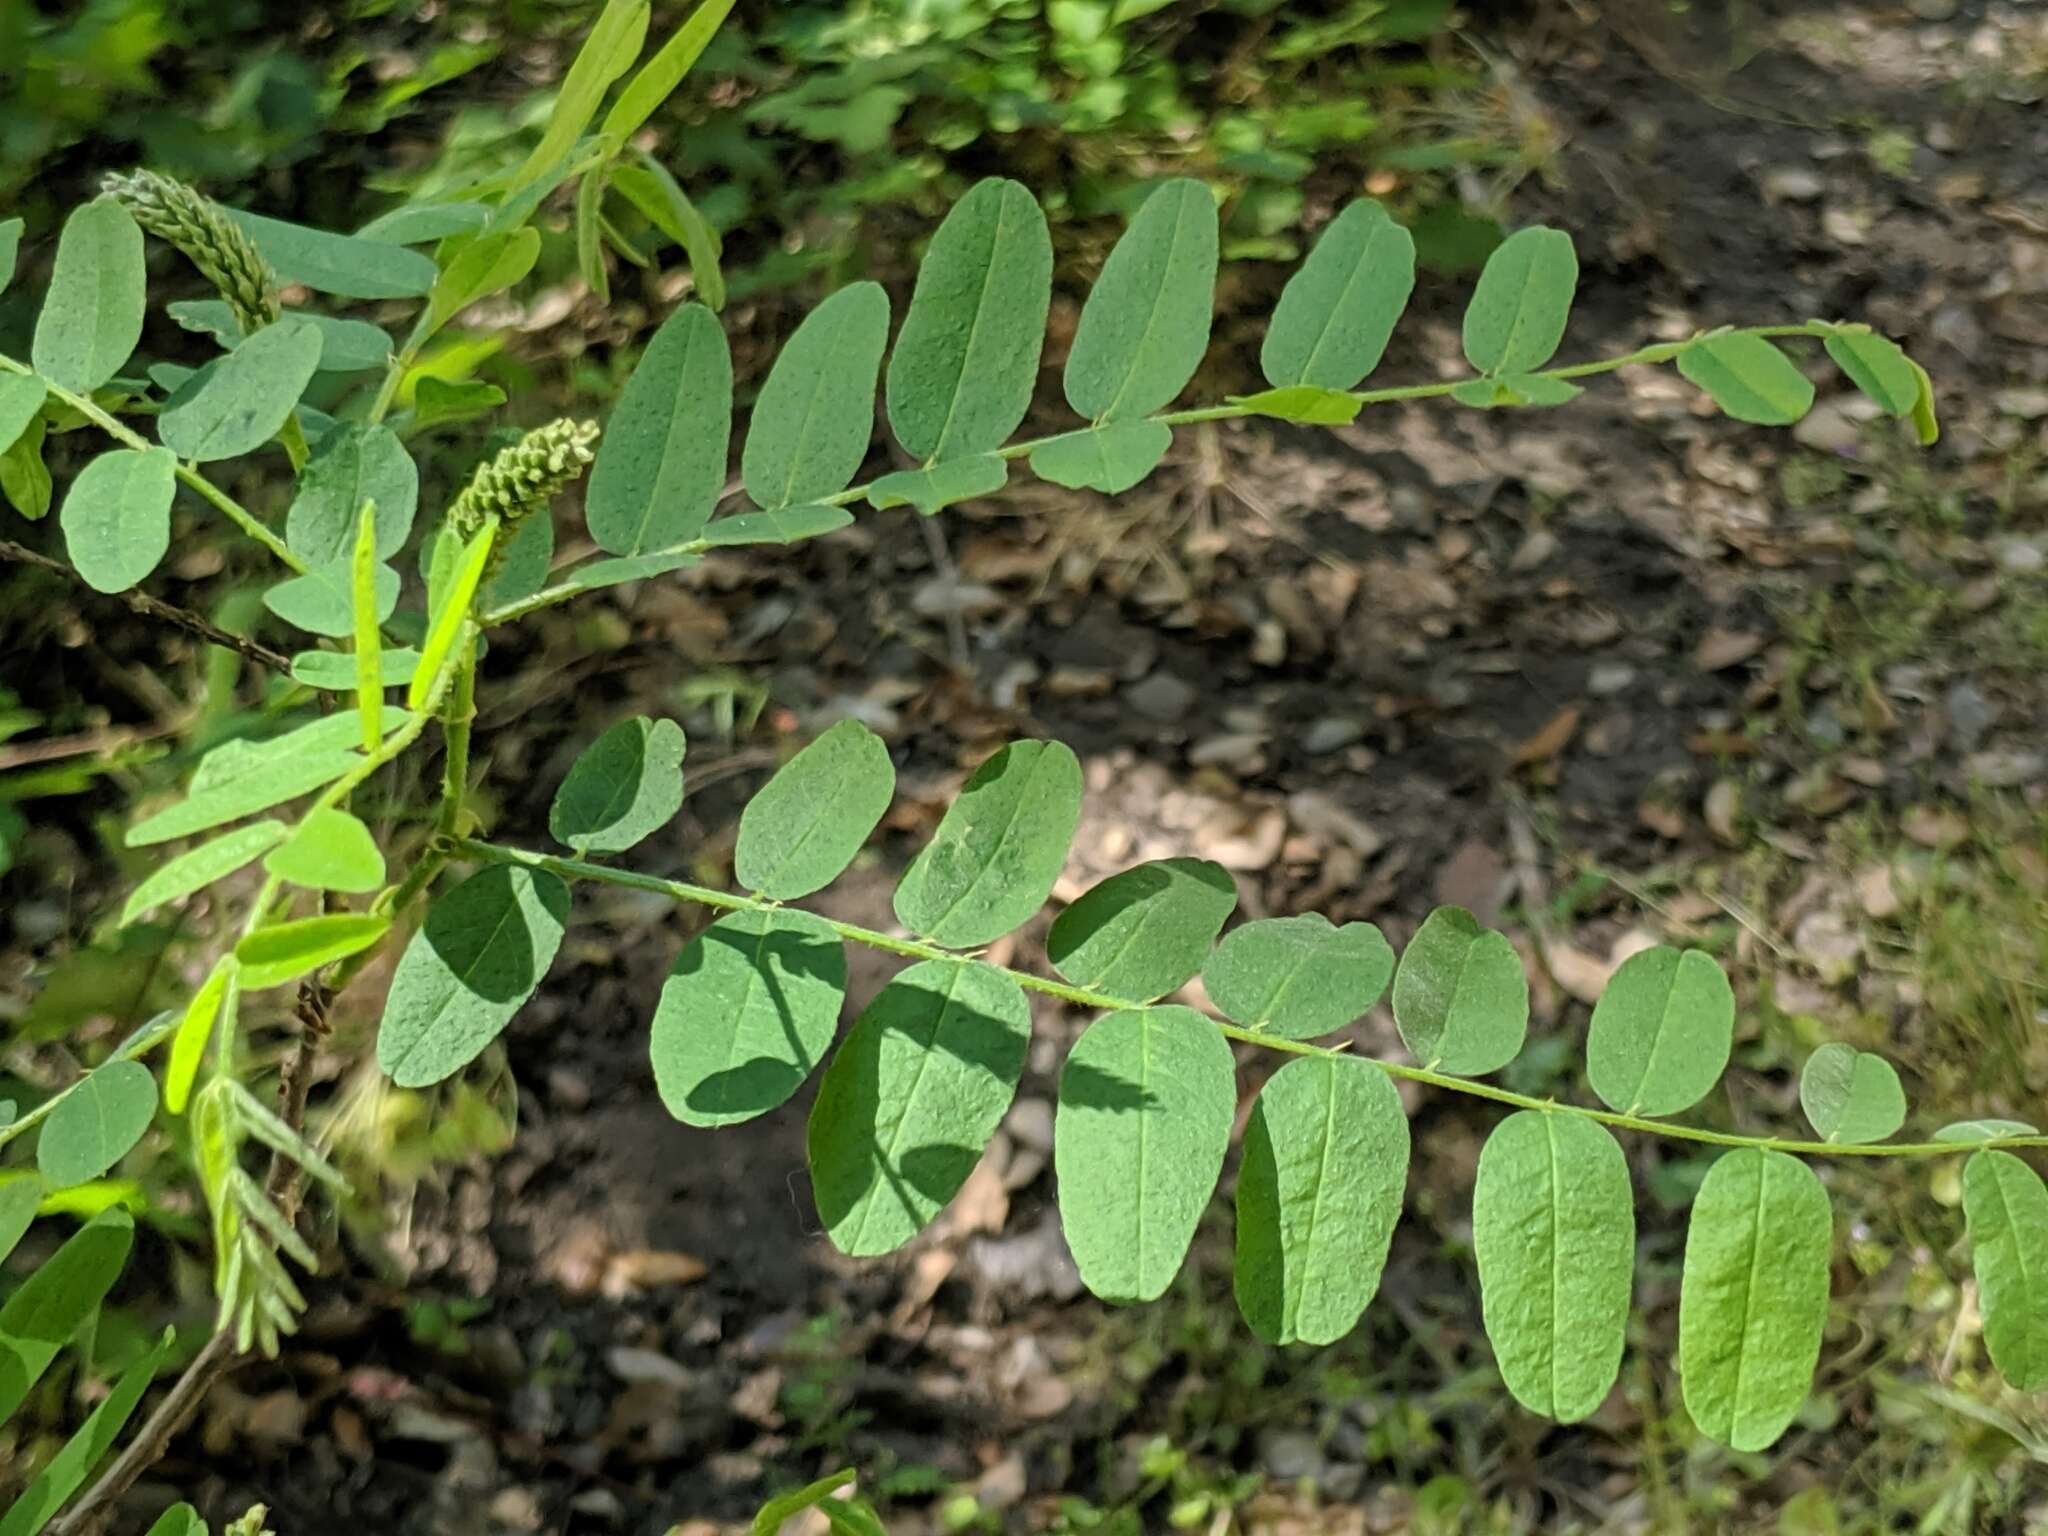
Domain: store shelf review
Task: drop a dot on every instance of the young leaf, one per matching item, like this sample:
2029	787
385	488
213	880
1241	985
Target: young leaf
66	1471
661	464
1331	325
369	639
477	958
483	265
747	1012
426	223
92	314
589	236
791	525
966	359
1305	403
942	485
1851	1096
998	849
816	414
1876	366
1969	1132
239	778
1753	1296
346	266
237	403
24	477
179	1520
117	516
1325	1170
815	814
1554	1231
1748	379
449	621
335	671
1298	977
1461	1000
96	1124
626	784
1146	322
216	995
284	952
1146	1101
660	75
330	851
614	43
21	401
1661	1032
322	602
911	1098
351	465
1926	427
1111	458
648	186
1515	389
2007	1207
1524	299
779	1510
1140	934
199	867
55	1300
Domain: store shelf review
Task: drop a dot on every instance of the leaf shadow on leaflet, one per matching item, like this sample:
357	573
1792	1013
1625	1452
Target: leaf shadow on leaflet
1262	1256
1095	909
1088	1087
755	1086
485	941
618	758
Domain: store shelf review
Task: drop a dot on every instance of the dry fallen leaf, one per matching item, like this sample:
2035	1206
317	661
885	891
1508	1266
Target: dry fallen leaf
643	1269
1720	648
1552	739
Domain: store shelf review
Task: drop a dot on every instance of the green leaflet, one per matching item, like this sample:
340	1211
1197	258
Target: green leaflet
346	346
998	849
660	75
284	952
217	994
1524	299
661	464
1335	315
237	403
199	867
815	416
1554	1232
646	183
362	594
475	961
239	778
351	465
117	516
92	314
1515	389
747	1012
934	489
791	525
1851	1096
1325	1169
1753	1296
1304	403
482	265
1966	1132
1298	977
1110	458
322	602
1146	322
1926	425
330	851
21	400
335	671
1461	1000
450	621
345	266
55	1300
809	820
626	784
1748	379
773	1515
10	248
1146	1101
1141	933
96	1124
911	1098
19	1199
24	477
2007	1207
607	573
608	52
522	567
67	1471
179	1520
1876	366
1661	1032
966	359
425	223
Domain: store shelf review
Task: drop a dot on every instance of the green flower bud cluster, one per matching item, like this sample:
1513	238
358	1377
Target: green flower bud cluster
523	478
214	243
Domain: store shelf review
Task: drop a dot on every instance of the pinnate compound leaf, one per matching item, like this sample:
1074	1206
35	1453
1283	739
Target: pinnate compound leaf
1145	325
284	952
1753	1296
1146	1101
1298	977
789	525
1876	366
1461	999
239	778
50	1306
1141	933
345	266
330	850
911	1098
350	465
92	314
809	820
1748	378
1851	1096
21	401
2007	1207
815	416
237	403
942	485
966	360
1661	1032
96	1124
1554	1233
626	784
1969	1132
1308	404
1325	1170
117	516
1110	458
199	867
67	1471
322	602
477	958
998	849
661	463
1522	303
1335	315
747	1012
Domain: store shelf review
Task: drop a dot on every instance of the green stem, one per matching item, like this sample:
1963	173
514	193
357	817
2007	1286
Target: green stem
141	1043
1083	997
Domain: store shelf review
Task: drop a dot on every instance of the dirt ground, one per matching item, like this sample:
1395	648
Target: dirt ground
1619	671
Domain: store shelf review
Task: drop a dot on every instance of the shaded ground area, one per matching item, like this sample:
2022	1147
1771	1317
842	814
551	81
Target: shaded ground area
1604	675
